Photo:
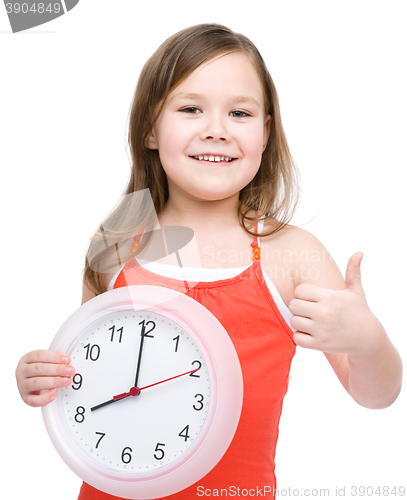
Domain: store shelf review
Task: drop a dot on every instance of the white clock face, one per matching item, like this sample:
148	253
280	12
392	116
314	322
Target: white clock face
122	409
157	394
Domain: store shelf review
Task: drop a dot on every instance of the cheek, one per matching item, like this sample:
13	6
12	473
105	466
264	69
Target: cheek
173	143
253	143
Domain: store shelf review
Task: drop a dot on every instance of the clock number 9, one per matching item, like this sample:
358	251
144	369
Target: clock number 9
126	457
160	450
77	380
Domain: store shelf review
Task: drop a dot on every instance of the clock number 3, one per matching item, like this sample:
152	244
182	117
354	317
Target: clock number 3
198	402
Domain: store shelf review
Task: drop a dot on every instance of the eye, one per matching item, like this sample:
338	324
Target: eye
191	110
239	114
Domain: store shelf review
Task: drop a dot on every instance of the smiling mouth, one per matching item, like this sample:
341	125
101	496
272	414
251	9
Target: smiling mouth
213	158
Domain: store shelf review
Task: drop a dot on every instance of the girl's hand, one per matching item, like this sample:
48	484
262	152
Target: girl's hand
336	321
39	373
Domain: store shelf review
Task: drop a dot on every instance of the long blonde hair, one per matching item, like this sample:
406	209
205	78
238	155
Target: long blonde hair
274	190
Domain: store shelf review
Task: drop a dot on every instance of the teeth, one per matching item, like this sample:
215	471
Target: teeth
213	158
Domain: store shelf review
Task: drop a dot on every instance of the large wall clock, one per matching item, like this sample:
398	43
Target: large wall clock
156	397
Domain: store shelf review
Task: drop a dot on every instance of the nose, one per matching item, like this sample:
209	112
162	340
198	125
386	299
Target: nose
215	129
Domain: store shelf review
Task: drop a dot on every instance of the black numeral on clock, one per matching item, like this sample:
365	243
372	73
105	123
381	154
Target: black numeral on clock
184	433
176	342
102	435
126	457
77	381
92	352
80	414
119	330
199	402
145	333
160	451
196	362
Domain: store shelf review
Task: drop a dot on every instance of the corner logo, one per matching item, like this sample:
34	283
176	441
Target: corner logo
25	14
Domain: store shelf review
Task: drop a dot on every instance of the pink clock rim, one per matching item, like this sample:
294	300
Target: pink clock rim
224	367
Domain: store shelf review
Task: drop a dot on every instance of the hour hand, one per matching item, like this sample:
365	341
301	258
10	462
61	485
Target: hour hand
133	392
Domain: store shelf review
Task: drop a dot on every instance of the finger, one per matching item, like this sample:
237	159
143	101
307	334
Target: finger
304	340
353	278
48	370
303	308
302	325
36	384
38	400
46	356
308	292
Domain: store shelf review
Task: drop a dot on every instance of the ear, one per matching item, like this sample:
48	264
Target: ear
151	140
266	131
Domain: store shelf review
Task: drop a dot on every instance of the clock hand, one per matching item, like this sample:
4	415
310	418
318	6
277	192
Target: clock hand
135	391
140	352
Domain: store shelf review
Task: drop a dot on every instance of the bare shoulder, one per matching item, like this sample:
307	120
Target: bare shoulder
297	256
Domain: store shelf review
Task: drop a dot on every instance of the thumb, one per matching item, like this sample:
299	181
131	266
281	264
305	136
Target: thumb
353	280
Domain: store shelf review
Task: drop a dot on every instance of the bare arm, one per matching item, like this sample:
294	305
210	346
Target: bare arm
332	315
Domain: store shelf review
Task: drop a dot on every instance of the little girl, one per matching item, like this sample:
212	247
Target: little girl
208	146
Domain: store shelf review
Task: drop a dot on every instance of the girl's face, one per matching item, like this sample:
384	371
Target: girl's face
212	130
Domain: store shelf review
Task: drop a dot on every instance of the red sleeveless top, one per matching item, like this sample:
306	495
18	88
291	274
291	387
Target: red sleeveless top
265	346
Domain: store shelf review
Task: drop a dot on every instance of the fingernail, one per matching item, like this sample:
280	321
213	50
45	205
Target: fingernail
65	380
65	360
52	394
68	370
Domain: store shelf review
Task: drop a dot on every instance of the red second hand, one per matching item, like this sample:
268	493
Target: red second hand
135	391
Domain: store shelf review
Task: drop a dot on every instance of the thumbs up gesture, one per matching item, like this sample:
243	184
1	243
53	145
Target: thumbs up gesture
335	321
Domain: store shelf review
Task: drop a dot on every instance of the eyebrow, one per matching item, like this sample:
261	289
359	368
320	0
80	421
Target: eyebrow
241	99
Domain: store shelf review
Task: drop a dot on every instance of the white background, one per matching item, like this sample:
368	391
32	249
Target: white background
65	93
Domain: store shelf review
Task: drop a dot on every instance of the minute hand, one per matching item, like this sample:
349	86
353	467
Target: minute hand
140	352
135	391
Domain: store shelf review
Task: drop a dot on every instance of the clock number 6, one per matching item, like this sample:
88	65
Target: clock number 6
160	450
126	457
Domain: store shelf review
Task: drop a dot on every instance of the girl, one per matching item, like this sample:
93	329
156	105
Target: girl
208	146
